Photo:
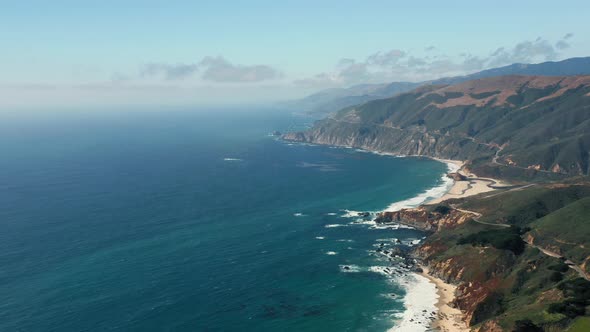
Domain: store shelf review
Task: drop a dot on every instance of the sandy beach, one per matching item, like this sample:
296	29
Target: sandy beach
472	185
448	319
419	302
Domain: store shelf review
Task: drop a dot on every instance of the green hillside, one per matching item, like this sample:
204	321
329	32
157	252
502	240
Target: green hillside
507	282
537	126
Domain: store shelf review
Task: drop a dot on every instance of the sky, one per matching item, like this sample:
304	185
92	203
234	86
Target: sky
101	53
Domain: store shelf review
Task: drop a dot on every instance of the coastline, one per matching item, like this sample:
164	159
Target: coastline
448	318
433	193
420	304
470	185
418	315
428	299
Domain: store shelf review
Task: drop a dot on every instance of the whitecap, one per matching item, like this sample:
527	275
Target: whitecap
353	214
349	268
335	225
320	237
419	302
383	270
331	253
232	159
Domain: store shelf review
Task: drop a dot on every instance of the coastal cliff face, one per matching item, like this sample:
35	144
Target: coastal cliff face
503	283
524	123
511	127
471	292
405	142
423	219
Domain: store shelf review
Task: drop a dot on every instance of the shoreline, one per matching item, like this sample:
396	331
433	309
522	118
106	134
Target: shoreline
420	304
471	185
448	318
428	299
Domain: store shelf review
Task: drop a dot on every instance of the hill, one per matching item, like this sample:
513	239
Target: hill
332	100
519	257
518	127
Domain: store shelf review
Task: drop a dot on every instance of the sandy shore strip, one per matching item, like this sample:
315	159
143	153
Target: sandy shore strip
471	186
448	319
419	302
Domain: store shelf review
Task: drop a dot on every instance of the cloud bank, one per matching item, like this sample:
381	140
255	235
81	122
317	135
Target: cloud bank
400	65
212	69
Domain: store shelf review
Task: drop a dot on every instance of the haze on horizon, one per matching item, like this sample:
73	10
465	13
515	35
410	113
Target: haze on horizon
68	53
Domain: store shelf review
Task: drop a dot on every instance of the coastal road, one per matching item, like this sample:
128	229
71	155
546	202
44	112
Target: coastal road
546	252
477	216
569	263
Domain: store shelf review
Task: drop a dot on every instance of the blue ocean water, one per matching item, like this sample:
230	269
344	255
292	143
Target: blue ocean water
192	221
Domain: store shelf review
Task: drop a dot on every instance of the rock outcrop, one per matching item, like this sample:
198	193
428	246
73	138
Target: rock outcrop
424	219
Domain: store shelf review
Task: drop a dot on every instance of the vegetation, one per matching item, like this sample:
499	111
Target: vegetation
503	239
526	129
525	289
526	325
442	209
538	126
334	99
574	240
581	324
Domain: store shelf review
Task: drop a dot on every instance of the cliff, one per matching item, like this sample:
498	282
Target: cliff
519	126
504	283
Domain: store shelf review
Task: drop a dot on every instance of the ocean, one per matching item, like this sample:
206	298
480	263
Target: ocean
197	220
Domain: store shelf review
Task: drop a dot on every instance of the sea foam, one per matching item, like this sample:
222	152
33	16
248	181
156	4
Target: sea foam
420	305
427	195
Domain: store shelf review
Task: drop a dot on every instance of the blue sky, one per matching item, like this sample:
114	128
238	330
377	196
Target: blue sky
215	52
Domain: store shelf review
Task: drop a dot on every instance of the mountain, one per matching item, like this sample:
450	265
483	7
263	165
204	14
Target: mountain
507	126
331	100
520	258
568	67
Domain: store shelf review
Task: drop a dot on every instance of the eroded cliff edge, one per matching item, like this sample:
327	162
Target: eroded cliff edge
493	248
510	126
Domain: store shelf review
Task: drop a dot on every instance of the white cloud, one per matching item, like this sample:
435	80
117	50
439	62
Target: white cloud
218	69
400	65
168	71
215	69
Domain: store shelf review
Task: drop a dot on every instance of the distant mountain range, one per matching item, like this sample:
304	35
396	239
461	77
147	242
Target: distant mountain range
332	100
506	126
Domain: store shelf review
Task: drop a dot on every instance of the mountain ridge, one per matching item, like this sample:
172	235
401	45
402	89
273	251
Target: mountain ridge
536	124
333	99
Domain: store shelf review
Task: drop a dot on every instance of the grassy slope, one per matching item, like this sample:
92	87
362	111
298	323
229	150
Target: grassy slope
552	133
567	229
524	285
581	324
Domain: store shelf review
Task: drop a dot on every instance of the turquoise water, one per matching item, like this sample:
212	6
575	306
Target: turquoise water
192	221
